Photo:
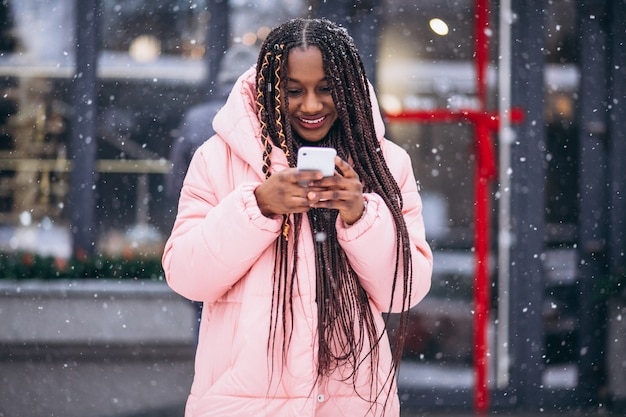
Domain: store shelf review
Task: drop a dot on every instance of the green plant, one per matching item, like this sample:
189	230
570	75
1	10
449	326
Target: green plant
21	266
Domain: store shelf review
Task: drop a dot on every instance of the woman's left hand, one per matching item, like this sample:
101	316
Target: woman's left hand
339	192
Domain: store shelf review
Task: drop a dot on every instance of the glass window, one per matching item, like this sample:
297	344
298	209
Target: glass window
152	69
146	29
426	66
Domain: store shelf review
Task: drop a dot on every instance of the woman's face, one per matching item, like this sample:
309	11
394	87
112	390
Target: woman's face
311	105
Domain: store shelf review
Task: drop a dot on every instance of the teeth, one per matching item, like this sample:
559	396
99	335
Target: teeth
312	122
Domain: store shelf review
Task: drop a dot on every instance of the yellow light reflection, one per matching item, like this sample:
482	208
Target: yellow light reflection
145	48
438	26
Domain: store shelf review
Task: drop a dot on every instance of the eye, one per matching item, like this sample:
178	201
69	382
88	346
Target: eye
325	89
293	92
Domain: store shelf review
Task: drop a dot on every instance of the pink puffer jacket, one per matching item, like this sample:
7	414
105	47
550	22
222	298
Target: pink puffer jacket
221	252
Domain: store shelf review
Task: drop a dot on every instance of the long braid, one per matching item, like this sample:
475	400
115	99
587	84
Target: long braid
262	114
282	291
346	326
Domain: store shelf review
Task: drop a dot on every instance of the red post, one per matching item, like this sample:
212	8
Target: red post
484	172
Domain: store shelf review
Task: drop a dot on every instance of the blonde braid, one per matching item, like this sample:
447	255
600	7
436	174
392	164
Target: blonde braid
278	104
279	124
267	142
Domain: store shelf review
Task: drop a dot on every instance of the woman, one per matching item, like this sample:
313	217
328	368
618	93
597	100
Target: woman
294	269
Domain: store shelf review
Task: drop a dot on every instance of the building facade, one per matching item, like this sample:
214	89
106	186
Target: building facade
511	111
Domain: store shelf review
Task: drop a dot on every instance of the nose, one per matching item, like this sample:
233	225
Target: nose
311	103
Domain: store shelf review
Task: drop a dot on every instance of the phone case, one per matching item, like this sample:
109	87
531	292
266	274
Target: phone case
320	159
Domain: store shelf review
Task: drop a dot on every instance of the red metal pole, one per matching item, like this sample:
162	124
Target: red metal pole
485	169
481	279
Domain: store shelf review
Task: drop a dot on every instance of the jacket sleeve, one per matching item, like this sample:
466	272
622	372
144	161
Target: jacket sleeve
370	244
214	241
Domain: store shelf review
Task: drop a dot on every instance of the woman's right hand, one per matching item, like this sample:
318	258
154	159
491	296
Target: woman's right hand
285	192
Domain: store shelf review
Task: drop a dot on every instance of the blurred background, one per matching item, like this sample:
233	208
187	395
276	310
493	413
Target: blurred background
511	111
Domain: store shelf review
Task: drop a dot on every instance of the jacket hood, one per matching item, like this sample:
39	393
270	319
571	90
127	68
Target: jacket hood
238	125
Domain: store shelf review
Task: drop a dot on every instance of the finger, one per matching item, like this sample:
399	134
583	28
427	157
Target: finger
338	182
345	168
305	178
297	203
334	198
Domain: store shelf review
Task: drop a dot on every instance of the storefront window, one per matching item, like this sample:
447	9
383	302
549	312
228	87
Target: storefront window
427	64
152	68
148	29
426	67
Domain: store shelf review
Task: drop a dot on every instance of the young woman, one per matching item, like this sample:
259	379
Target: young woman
295	269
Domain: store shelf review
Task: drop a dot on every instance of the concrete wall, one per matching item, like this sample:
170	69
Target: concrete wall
94	348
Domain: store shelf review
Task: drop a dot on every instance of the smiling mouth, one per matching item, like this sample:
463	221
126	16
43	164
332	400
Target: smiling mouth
312	121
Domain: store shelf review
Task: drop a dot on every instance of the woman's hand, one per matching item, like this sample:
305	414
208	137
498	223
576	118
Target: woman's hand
285	192
293	191
340	192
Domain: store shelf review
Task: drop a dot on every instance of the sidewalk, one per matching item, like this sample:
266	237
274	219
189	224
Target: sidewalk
178	412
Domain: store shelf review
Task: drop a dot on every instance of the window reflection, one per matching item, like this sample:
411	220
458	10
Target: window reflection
147	29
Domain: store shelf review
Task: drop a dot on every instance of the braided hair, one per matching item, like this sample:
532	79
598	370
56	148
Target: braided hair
346	325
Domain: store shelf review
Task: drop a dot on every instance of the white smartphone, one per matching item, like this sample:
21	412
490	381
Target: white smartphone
319	159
